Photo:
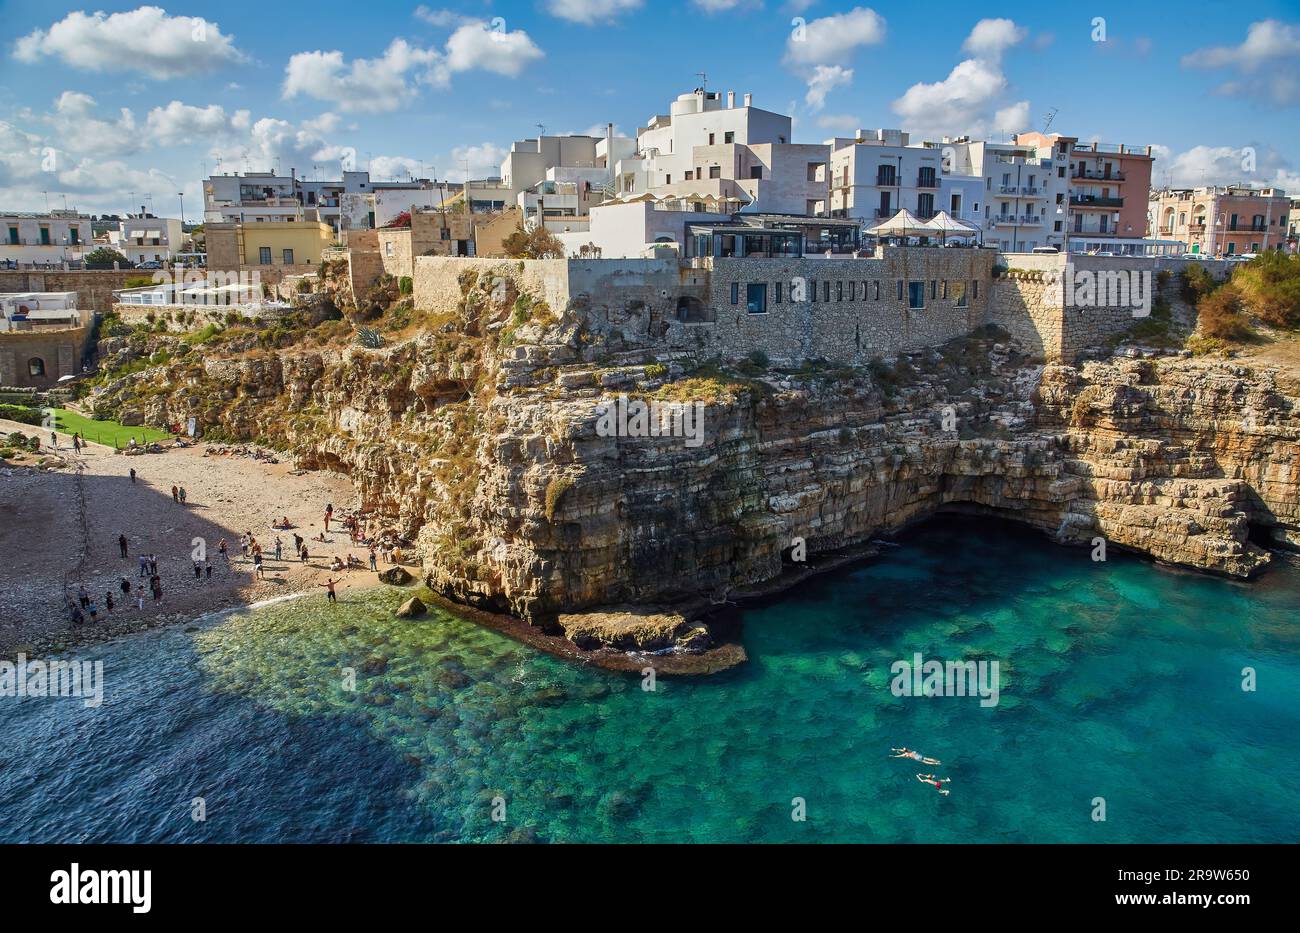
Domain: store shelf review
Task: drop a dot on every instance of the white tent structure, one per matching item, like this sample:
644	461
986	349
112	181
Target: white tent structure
904	223
946	225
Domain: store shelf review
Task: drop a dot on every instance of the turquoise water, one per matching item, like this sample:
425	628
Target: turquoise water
1119	680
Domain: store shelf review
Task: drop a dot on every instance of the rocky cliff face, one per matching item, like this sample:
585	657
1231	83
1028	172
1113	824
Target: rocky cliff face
478	437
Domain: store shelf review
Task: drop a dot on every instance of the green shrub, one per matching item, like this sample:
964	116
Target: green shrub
21	413
405	286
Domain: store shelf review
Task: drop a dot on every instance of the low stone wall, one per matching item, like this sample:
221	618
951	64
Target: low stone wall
186	318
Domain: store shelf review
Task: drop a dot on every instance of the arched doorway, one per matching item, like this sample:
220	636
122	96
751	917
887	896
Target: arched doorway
36	367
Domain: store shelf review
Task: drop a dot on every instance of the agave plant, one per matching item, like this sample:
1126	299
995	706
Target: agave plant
369	338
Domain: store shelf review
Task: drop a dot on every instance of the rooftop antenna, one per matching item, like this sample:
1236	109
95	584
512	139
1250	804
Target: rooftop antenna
1047	124
541	129
704	80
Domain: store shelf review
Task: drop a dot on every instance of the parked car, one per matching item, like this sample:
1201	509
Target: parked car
1045	249
151	264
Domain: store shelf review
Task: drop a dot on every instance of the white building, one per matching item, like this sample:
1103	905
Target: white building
558	179
1026	188
741	156
876	173
52	238
145	238
28	310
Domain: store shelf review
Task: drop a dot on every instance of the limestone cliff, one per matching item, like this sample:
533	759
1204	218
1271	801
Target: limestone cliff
475	433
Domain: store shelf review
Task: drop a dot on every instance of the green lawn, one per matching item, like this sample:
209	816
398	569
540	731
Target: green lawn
105	432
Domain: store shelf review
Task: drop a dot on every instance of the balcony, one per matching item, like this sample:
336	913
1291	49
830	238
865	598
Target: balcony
1087	175
923	181
1088	200
1016	220
1033	191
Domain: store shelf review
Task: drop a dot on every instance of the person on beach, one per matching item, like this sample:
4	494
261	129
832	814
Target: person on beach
181	493
153	565
257	565
243	545
125	586
54	440
77	616
373	563
139	599
329	587
92	609
175	494
76	444
936	783
198	571
297	542
83	597
133	475
327	521
223	550
155	583
302	553
207	570
279	546
108	601
914	755
121	543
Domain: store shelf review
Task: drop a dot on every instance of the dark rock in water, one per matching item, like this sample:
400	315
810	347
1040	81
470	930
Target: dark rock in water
524	835
548	696
349	630
453	679
411	608
397	576
380	699
372	667
191	628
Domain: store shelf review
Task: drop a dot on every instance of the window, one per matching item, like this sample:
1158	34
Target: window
877	289
728	138
36	366
264	255
776	297
756	171
446	233
735	293
885	175
839	291
668	179
900	289
388	248
959	293
288	257
916	294
715	171
13	236
826	292
814	169
74	236
934	289
943	290
710	139
853	291
812	290
975	289
926	177
45	236
756	298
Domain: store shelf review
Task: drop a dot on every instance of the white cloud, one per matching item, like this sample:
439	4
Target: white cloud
961	103
826	78
834	39
370	85
267	141
179	124
78	129
1012	119
591	11
484	159
483	48
442	18
722	6
145	39
1222	165
394	167
991	37
1267	63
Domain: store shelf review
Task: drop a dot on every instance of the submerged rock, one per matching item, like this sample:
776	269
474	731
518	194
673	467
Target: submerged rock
411	608
396	576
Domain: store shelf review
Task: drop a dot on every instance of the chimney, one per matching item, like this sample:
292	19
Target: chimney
731	100
749	100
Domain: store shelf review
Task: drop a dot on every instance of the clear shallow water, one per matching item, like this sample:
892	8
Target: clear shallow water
1119	680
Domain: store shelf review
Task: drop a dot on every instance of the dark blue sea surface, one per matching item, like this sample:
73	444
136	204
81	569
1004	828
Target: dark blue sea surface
1119	680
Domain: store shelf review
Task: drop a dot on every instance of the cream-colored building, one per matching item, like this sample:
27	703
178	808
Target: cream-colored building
281	248
1227	220
51	238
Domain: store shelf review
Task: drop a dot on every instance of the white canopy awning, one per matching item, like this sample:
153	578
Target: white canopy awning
904	223
945	223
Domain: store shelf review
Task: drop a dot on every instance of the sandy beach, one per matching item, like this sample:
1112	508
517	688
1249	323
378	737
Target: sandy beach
41	538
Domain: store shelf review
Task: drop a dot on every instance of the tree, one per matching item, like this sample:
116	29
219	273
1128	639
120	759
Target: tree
1221	314
533	243
1270	288
106	256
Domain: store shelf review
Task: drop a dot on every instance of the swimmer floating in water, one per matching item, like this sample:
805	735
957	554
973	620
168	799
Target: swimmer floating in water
915	756
936	783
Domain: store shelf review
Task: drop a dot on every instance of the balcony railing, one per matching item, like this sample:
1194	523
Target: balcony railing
1016	220
1087	175
927	182
1088	200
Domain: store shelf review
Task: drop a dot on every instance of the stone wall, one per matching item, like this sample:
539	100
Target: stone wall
94	288
59	349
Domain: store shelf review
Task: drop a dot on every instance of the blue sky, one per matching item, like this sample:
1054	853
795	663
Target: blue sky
102	105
